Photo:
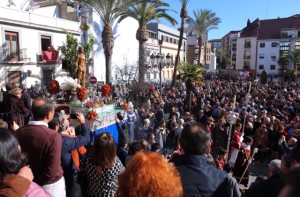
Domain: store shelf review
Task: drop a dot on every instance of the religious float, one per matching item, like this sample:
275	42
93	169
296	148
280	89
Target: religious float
95	102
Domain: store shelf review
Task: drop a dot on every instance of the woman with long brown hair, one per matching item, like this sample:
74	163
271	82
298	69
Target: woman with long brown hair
103	167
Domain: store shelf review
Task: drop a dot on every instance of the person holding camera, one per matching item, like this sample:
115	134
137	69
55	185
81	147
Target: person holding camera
122	147
72	149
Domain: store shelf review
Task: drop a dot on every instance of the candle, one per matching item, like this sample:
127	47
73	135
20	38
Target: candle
234	100
249	87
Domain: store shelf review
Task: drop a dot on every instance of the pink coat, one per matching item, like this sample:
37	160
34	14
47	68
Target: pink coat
36	190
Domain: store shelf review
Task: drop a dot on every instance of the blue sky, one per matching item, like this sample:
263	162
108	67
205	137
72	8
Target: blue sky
235	13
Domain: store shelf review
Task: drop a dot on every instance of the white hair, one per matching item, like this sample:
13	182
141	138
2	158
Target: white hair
130	106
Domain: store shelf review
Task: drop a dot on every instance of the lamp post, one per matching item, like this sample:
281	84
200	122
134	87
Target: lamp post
159	58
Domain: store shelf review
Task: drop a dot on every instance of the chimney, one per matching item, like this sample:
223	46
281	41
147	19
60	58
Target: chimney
248	22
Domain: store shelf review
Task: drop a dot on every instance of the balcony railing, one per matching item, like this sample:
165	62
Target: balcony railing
47	57
17	56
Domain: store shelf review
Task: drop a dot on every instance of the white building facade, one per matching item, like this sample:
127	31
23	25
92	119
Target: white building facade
25	40
267	57
28	30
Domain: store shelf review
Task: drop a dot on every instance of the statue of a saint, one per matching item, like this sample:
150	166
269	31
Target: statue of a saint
80	67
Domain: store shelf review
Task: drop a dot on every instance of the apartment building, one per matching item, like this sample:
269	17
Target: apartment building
277	37
193	50
167	43
229	44
247	48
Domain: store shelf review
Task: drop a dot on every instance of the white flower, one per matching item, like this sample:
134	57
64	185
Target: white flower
67	83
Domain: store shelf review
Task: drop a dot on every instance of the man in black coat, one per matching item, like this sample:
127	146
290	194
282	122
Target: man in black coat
199	178
270	187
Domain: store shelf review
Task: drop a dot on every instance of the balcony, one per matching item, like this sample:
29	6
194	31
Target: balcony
15	57
246	67
47	57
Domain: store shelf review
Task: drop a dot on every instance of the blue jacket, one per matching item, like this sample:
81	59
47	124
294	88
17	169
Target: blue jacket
70	144
200	179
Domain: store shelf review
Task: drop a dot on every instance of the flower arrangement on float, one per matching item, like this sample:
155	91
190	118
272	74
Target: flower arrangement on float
94	104
105	90
92	115
54	87
81	94
68	84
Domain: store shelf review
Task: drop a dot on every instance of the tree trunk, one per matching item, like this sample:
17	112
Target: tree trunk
142	60
142	37
108	45
200	47
178	50
108	76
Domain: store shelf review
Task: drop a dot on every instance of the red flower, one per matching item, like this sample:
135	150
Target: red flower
81	93
105	89
53	87
92	115
125	106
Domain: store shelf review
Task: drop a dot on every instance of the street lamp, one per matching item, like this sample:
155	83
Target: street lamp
152	59
159	59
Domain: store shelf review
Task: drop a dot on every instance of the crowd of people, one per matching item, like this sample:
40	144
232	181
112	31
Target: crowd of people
165	147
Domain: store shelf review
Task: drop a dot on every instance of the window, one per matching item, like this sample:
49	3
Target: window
167	39
247	44
148	75
262	45
246	65
274	44
272	67
297	44
155	75
171	40
273	56
261	56
261	67
11	48
233	57
46	42
285	46
247	54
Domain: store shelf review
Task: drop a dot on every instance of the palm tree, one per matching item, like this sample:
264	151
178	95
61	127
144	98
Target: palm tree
183	16
144	11
190	73
295	59
109	11
283	62
205	20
